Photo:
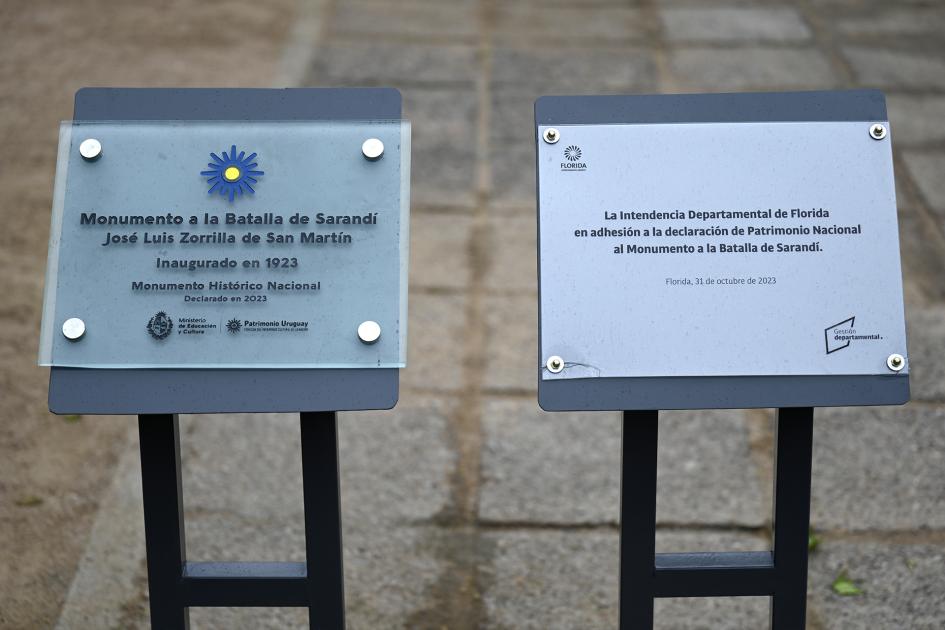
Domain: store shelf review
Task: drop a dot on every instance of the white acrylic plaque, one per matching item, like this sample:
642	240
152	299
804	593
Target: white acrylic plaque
725	249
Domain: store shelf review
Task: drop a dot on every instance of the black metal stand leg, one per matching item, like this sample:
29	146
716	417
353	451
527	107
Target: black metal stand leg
638	519
795	437
322	499
163	519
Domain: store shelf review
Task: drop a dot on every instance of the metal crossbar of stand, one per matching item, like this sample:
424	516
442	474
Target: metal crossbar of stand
176	584
780	573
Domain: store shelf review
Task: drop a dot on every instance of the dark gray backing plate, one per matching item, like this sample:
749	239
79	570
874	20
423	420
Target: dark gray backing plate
735	392
73	390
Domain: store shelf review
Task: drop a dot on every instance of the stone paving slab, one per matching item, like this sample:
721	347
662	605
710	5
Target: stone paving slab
511	344
455	22
916	119
878	469
903	586
730	24
926	339
926	169
923	254
893	21
513	175
571	24
550	580
439	256
896	69
441	113
440	173
591	70
387	63
751	68
374	446
541	467
513	265
443	123
513	115
436	329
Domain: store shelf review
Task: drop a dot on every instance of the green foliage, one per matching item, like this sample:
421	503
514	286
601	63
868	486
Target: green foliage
29	501
72	418
812	541
843	585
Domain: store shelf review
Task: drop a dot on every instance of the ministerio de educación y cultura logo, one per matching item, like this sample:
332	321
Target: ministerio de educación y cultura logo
160	326
232	174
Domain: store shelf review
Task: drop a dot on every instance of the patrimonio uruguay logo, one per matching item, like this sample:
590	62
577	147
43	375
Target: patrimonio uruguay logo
232	174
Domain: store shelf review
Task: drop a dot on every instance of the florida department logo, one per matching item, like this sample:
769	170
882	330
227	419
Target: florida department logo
234	325
572	156
232	174
160	326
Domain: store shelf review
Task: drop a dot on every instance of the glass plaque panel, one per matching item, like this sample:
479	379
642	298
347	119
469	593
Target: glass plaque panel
727	249
229	245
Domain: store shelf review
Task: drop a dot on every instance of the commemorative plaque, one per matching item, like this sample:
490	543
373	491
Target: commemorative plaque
273	238
703	251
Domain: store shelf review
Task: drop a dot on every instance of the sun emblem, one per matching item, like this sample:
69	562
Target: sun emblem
573	153
234	325
232	174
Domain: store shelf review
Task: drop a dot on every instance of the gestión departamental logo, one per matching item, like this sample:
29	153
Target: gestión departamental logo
160	326
232	174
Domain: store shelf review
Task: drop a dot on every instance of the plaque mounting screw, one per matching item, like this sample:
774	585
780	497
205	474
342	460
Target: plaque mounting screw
551	135
554	364
896	362
373	149
73	329
90	149
369	332
877	131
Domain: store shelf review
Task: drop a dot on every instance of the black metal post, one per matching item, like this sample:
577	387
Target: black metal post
638	519
175	584
795	438
323	521
780	574
163	519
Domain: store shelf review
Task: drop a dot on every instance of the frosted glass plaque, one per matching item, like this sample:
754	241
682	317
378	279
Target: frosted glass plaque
228	245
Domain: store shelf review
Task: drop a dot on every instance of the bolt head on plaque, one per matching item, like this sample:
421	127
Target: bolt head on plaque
369	332
373	149
90	149
73	329
554	364
896	362
877	131
551	135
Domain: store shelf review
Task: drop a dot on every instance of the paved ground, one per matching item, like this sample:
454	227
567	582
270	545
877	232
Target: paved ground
467	507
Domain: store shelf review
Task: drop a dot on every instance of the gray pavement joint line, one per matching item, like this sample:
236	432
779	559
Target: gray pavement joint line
824	39
458	594
760	426
666	80
302	46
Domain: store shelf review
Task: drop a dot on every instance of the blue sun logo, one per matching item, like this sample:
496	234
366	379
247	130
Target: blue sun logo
232	174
